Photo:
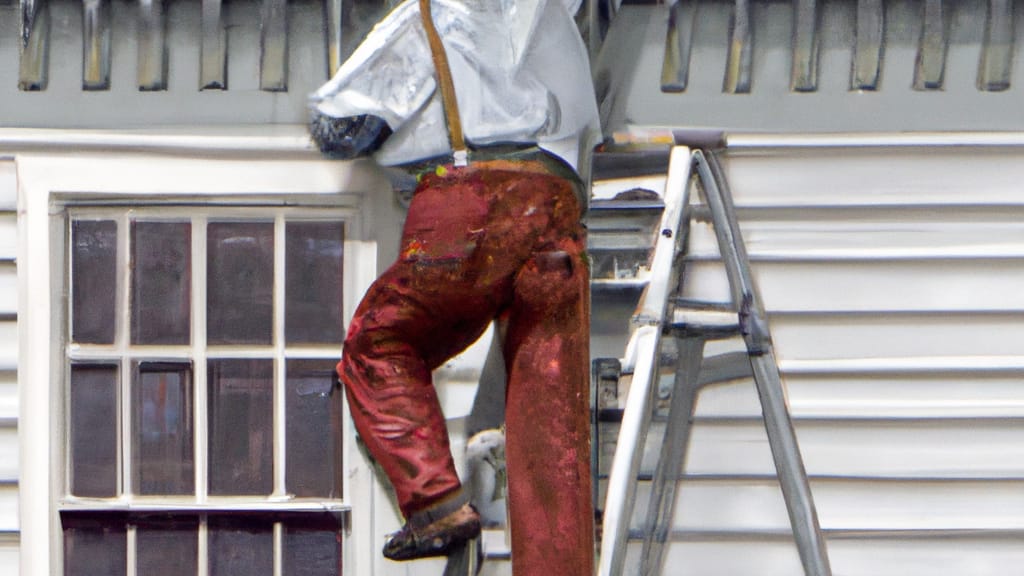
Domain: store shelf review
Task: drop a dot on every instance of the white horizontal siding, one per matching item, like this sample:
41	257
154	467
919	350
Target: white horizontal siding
881	336
8	396
8	454
874	285
9	554
883	396
755	505
890	555
8	507
8	344
8	277
878	177
8	187
9	447
876	233
929	449
892	281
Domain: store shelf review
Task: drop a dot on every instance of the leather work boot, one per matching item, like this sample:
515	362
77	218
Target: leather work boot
426	538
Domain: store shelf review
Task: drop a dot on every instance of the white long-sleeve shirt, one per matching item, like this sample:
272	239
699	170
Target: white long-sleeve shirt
520	70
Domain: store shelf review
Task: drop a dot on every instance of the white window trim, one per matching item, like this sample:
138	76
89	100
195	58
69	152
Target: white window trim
205	169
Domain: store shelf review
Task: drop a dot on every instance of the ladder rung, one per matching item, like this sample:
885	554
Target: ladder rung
708	323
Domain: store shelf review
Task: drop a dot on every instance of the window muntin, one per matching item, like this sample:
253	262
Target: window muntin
187	391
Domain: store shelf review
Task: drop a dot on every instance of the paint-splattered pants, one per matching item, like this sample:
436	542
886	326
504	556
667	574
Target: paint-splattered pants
498	238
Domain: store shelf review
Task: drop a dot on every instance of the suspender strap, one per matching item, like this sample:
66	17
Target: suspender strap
444	80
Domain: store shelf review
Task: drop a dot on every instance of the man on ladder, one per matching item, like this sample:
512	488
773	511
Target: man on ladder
493	231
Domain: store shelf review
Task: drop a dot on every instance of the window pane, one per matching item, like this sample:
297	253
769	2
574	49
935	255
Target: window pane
93	281
240	423
93	429
94	546
241	547
240	269
313	267
162	456
161	282
313	429
312	549
167	547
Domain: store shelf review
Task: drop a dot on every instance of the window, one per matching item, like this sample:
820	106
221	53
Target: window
203	415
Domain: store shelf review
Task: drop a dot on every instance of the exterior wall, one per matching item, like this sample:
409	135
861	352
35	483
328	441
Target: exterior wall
890	275
884	230
9	525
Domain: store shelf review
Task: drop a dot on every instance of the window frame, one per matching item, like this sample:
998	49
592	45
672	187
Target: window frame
49	182
198	353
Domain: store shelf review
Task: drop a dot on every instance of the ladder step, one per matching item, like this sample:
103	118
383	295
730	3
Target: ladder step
708	323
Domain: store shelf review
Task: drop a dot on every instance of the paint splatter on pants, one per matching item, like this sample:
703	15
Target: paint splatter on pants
497	238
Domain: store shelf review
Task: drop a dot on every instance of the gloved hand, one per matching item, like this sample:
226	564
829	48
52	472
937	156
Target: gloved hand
348	137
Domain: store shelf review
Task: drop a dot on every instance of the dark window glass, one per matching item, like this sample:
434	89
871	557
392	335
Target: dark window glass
240	423
240	277
93	430
313	429
161	282
94	546
167	547
241	547
93	281
312	549
313	291
162	458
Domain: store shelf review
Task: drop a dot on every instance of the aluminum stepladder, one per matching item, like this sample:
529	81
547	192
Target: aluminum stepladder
692	324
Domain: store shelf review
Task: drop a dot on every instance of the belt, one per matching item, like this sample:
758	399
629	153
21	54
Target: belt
527	158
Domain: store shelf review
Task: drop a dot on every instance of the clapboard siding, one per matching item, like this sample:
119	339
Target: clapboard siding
894	555
876	177
9	554
8	372
889	396
8	396
925	449
8	279
8	507
876	285
891	278
746	505
883	233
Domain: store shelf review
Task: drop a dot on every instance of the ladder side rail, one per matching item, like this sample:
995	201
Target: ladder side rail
673	453
645	343
781	434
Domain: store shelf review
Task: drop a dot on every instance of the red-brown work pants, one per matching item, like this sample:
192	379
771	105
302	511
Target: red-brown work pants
497	238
